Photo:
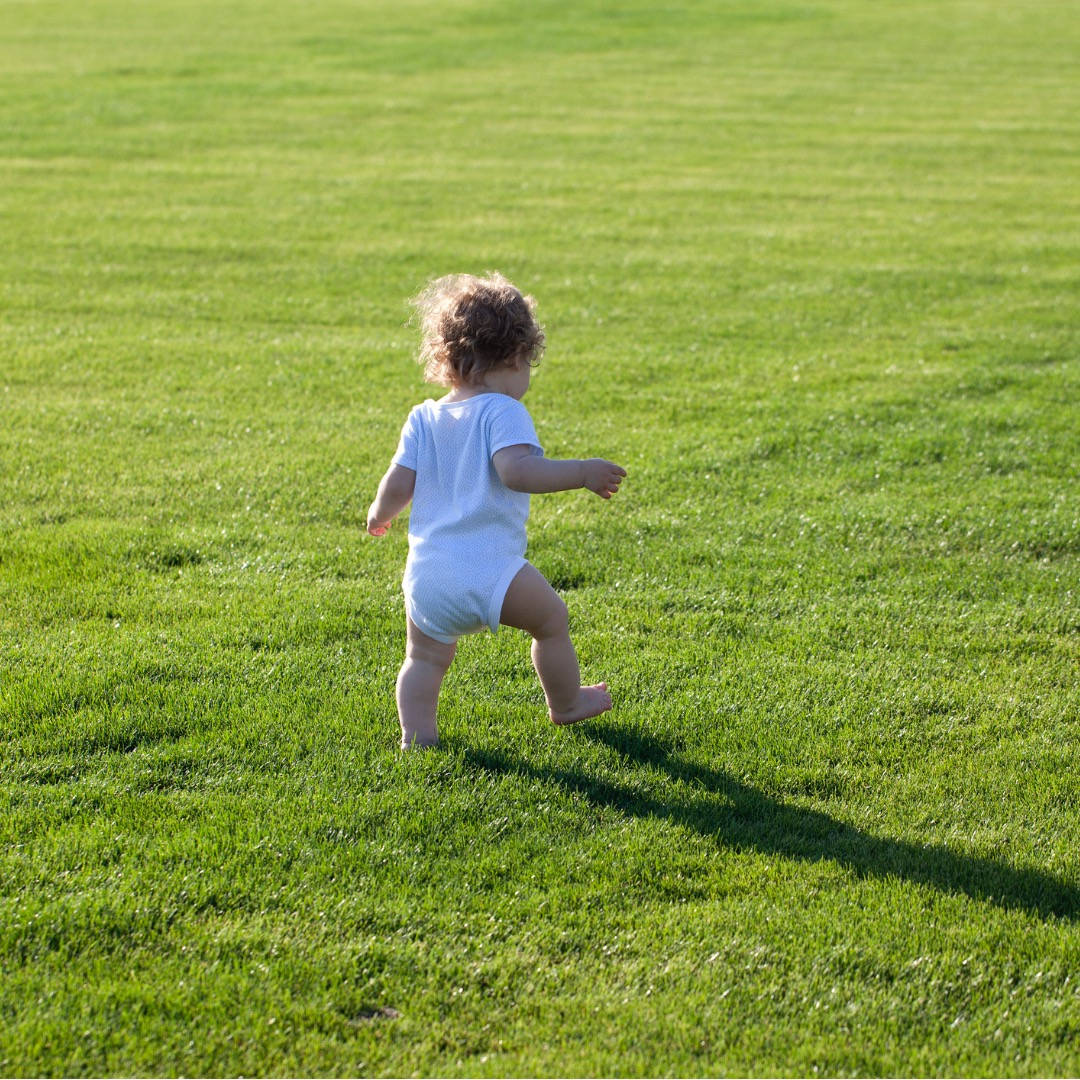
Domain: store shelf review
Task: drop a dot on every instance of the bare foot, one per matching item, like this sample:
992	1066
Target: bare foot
591	701
418	742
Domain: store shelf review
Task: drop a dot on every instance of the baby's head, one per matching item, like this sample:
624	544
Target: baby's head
472	325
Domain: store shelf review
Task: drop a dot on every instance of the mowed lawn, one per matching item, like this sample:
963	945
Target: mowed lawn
811	272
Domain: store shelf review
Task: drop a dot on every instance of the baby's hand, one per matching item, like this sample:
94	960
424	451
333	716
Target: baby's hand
602	477
376	527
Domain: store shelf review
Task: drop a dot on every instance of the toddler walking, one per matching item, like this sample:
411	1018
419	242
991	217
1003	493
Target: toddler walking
468	461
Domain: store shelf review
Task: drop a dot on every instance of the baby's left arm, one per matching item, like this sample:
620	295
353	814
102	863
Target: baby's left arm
395	491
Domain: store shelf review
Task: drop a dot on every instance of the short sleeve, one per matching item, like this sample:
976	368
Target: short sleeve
511	425
408	444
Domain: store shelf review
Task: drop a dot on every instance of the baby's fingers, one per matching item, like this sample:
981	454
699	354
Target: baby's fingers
603	477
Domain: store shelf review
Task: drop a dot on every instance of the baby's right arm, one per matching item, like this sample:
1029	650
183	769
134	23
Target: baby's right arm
522	470
395	491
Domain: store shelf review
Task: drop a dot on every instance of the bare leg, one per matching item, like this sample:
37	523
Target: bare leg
532	604
418	684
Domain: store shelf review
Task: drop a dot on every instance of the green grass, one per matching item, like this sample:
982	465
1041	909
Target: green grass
809	271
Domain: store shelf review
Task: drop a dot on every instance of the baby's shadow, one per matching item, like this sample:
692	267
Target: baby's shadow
739	816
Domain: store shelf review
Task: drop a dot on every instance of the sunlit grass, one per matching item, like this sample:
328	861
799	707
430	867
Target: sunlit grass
809	272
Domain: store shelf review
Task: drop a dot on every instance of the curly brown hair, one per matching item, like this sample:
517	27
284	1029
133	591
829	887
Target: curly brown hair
471	325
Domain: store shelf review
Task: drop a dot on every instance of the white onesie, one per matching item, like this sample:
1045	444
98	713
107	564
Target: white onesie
466	527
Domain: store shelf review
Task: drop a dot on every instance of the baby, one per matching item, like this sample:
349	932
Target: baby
468	461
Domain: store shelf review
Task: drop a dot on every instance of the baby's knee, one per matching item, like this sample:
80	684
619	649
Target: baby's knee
556	621
430	652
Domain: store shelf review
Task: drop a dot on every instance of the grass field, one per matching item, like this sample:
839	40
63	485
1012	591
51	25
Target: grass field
810	272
